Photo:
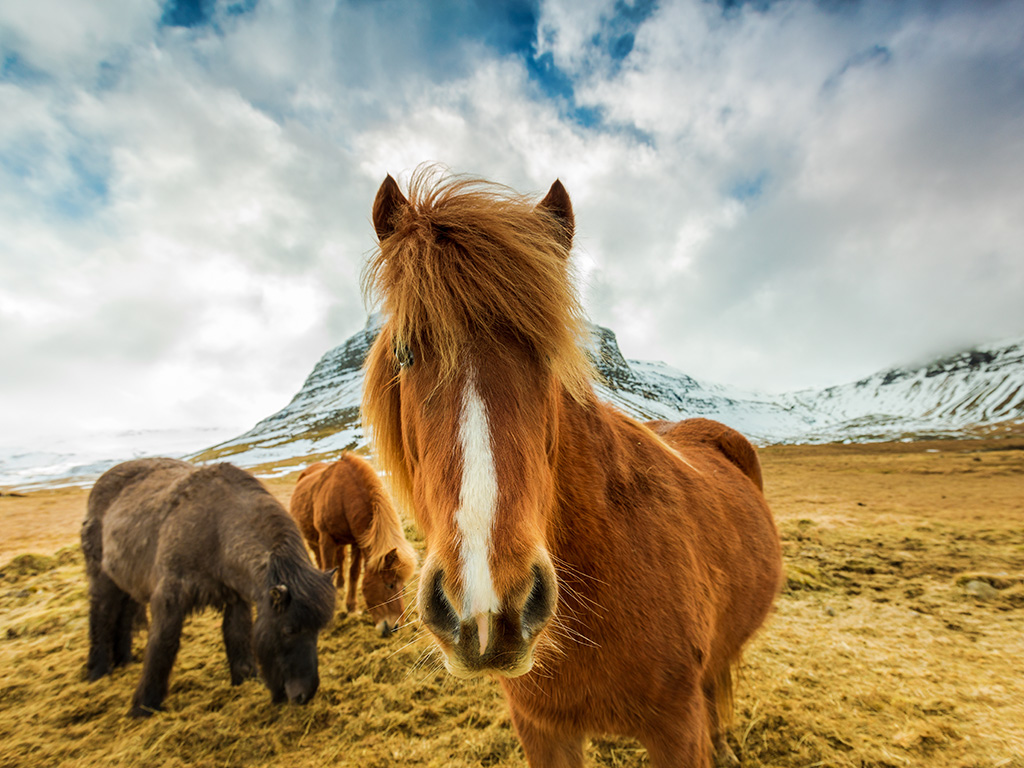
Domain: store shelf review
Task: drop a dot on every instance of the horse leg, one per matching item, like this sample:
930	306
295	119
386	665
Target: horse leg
236	628
126	616
329	554
683	739
105	601
545	749
312	536
353	578
168	616
724	757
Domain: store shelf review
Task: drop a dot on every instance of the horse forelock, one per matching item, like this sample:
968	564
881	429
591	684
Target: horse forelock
471	261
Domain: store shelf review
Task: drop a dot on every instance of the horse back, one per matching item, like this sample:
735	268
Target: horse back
726	440
125	512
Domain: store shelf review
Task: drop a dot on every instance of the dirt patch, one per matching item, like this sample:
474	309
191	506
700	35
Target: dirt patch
879	652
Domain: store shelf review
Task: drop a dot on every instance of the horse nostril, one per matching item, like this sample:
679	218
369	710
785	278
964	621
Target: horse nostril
540	603
438	612
301	691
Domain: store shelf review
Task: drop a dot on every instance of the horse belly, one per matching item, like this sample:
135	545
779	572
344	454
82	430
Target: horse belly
747	570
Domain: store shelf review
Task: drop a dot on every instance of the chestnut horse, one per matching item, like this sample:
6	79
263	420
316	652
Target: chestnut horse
345	504
608	575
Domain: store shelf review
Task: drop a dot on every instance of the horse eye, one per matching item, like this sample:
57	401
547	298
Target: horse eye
390	586
404	355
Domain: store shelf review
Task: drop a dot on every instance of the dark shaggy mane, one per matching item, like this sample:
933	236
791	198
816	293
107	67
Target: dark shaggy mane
311	590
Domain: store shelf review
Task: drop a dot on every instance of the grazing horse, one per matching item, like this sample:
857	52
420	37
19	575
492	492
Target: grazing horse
345	504
180	538
607	572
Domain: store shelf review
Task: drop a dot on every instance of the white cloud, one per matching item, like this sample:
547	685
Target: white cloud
882	166
777	197
73	38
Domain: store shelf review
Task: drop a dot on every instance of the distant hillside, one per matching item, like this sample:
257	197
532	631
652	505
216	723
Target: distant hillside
965	391
953	395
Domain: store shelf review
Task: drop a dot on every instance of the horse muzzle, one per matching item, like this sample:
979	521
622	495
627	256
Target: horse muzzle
301	691
386	627
492	643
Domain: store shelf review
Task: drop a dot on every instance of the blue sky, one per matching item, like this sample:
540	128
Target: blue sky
773	195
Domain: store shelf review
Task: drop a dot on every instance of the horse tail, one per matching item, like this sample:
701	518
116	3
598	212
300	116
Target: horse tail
92	544
301	506
724	695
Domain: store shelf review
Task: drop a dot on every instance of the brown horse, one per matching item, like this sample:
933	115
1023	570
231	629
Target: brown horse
345	504
608	575
180	538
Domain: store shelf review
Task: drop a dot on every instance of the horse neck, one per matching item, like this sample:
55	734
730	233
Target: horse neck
259	533
596	446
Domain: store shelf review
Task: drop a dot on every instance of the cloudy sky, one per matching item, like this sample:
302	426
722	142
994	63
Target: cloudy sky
773	195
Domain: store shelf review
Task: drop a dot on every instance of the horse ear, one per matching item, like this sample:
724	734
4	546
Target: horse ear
558	205
386	206
279	597
391	559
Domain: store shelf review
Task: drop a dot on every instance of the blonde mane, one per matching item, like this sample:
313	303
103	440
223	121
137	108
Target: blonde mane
385	530
472	259
467	260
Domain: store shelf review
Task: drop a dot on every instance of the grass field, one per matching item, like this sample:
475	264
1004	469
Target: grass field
898	641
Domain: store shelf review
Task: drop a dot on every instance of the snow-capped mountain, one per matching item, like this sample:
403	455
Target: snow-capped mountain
956	395
323	417
979	387
948	396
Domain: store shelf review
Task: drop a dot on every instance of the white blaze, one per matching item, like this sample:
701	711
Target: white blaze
478	502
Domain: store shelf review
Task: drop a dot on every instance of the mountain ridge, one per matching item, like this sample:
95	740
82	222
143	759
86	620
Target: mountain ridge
952	395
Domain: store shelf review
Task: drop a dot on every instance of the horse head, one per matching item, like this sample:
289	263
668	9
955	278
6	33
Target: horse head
383	586
296	605
463	391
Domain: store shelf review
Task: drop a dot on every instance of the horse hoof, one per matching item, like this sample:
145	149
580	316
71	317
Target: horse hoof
242	673
139	711
92	675
725	757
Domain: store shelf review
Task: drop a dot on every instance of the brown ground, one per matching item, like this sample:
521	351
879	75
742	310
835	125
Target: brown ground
878	654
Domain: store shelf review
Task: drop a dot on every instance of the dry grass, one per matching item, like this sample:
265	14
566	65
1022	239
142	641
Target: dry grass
876	655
